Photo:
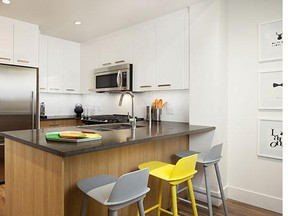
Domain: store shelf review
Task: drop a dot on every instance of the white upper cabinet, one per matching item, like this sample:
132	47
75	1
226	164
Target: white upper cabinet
89	61
43	64
19	42
144	57
172	49
123	45
55	65
26	43
59	65
115	49
71	67
6	41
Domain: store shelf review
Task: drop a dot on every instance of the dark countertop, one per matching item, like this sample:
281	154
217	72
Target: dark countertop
110	139
63	117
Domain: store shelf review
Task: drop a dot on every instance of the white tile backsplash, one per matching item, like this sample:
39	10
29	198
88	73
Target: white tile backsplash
177	108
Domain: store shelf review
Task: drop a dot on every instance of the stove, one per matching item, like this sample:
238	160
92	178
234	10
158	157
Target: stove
105	119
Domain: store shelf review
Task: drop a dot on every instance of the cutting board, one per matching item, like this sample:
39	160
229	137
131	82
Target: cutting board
73	136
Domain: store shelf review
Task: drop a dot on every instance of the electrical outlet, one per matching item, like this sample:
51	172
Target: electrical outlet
169	110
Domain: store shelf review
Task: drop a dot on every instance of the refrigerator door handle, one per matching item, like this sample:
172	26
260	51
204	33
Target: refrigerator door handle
33	111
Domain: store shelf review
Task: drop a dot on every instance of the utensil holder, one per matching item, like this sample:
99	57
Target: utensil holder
156	114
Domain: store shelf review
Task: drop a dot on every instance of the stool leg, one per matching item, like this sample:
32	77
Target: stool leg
141	207
160	196
221	188
112	212
174	200
208	193
192	197
84	205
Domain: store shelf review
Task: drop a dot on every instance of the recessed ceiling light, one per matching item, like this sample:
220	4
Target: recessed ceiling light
77	23
6	1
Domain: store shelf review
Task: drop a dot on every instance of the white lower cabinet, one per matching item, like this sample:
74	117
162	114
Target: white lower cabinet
59	68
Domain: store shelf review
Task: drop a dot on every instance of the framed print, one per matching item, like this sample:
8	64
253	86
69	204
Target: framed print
270	90
270	36
270	142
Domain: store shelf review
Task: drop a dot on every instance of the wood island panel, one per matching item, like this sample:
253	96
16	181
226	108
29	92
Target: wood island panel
42	184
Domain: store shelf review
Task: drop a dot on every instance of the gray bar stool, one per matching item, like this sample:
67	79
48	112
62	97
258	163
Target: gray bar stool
116	193
212	157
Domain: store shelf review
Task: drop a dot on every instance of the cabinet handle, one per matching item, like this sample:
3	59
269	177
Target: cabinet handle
3	58
53	125
164	85
22	61
121	61
57	89
105	64
146	86
70	89
42	88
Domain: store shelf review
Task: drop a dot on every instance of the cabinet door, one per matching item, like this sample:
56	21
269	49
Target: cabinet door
26	43
172	51
71	67
89	61
55	65
6	41
123	51
106	51
43	63
144	57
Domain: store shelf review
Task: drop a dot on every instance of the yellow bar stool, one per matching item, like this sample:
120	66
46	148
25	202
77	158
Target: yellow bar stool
183	171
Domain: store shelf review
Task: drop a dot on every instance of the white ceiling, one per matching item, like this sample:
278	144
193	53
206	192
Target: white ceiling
98	17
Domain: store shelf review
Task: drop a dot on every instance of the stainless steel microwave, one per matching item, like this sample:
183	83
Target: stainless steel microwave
113	78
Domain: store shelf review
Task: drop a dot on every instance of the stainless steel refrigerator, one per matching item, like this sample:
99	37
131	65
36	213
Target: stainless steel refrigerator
19	105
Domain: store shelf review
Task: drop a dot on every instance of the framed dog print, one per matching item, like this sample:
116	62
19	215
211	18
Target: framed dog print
270	141
270	41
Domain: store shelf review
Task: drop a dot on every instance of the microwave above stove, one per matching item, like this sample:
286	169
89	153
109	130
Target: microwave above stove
113	78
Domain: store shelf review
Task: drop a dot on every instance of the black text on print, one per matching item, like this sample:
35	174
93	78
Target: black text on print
277	139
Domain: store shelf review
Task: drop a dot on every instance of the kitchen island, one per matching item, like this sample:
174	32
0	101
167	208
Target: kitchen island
41	175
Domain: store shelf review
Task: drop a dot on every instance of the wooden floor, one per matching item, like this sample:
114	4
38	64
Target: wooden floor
235	208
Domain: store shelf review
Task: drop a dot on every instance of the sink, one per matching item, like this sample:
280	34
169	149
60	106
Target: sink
109	127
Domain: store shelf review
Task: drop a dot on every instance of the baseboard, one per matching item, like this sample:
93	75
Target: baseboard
203	198
256	199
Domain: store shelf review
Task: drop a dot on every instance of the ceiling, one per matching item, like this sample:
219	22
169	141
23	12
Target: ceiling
99	17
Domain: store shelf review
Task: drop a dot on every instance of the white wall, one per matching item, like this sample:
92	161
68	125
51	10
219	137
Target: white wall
177	108
208	81
59	104
251	179
223	93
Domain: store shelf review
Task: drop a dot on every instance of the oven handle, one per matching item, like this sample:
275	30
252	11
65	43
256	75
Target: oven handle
119	79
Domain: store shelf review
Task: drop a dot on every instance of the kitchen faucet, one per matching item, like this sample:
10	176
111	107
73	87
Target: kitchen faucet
133	119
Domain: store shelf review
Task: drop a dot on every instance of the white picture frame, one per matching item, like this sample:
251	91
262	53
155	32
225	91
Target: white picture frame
270	90
270	141
270	41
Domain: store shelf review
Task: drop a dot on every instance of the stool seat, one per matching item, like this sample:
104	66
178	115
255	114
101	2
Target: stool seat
201	156
212	157
174	175
116	193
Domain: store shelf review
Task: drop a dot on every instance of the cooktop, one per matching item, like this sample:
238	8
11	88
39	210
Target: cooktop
104	119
